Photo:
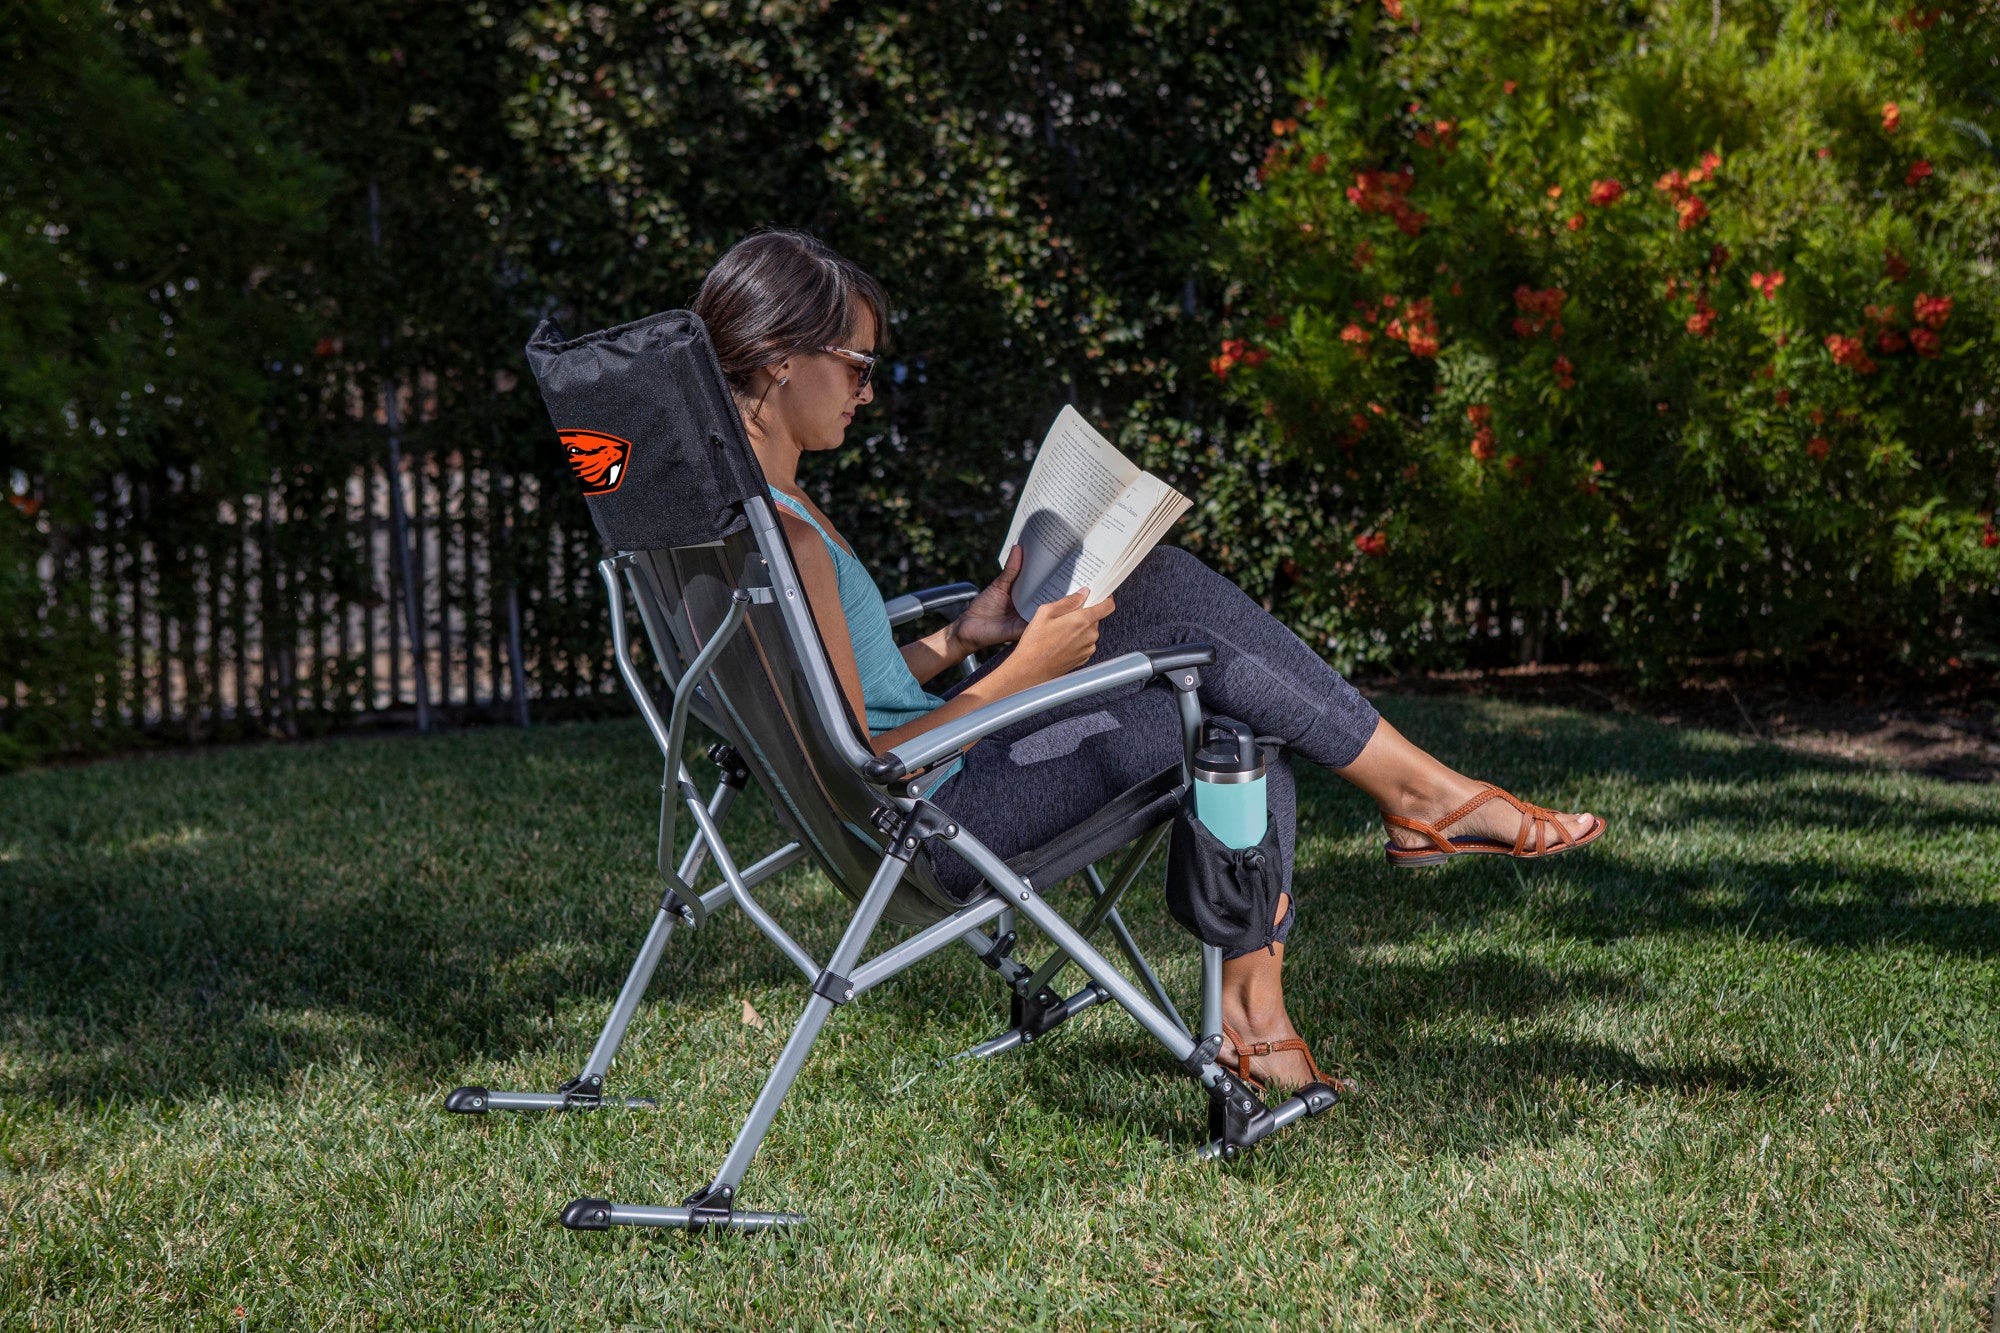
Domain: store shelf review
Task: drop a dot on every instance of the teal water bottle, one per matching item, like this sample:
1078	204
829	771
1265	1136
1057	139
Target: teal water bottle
1229	783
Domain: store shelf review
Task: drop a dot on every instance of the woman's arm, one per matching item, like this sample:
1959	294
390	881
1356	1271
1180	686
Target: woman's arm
1059	639
988	619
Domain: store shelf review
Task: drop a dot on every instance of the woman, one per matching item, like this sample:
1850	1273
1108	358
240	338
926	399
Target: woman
795	328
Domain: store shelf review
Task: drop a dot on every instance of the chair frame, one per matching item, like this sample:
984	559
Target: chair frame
1237	1117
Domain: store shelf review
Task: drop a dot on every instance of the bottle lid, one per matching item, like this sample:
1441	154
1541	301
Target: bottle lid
1228	753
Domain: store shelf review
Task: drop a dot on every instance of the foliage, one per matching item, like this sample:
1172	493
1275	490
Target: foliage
1645	331
141	323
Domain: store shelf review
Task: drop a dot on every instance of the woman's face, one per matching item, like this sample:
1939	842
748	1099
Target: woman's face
819	399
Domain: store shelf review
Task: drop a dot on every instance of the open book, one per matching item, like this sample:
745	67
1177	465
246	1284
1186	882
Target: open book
1086	518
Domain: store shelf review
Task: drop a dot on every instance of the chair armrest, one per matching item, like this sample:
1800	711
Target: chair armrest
928	601
920	752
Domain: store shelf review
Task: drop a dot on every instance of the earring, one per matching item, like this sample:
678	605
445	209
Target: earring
784	379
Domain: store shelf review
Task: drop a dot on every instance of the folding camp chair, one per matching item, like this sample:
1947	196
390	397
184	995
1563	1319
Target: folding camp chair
727	622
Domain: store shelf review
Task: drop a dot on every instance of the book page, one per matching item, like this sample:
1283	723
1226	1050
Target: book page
1078	475
1129	529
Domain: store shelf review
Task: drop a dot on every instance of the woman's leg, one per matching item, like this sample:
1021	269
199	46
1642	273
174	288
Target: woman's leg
1265	675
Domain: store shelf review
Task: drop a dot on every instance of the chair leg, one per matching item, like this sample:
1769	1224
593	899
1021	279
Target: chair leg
1036	1009
714	1205
585	1091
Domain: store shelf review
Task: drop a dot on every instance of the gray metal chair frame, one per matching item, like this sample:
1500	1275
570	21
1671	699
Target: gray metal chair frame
729	627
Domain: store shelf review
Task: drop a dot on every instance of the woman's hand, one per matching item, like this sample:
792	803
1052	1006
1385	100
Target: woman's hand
990	618
1060	638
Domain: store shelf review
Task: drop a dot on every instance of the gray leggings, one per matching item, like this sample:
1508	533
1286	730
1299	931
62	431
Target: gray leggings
1026	785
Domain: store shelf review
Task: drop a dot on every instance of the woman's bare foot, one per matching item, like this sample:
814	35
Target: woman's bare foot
1413	784
1279	1069
1253	1011
1496	819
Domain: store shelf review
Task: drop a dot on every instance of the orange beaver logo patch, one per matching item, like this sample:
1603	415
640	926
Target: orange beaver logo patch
597	459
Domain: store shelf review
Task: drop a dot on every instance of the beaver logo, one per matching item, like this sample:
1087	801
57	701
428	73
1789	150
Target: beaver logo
597	459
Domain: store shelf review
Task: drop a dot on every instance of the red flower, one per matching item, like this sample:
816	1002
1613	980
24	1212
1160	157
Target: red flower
1372	543
1818	417
1768	283
1818	447
1892	117
28	505
1256	356
1889	342
1673	183
1926	342
1849	352
1710	161
1605	193
1318	164
1575	222
1702	322
1385	192
1282	127
1918	170
1824	153
1508	87
1691	211
1555	192
1895	265
1395	8
1356	336
326	347
1232	353
1479	414
1358	424
1933	310
1989	537
1482	443
1565	373
1784	397
1543	310
1364	254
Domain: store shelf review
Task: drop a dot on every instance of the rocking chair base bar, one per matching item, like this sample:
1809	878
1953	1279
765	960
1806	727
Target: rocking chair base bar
478	1101
602	1215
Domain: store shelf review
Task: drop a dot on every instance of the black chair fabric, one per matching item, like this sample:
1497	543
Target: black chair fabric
650	429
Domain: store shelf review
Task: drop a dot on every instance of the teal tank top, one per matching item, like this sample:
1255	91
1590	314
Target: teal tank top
890	692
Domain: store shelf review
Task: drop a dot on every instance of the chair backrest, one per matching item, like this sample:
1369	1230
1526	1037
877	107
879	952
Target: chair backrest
773	696
685	499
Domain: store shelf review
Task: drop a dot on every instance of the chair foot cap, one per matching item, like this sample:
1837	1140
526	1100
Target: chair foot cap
588	1215
467	1101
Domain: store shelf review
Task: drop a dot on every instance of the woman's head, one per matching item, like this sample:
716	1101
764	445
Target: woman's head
772	305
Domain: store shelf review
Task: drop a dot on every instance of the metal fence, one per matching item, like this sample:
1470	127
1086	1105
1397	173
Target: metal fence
284	611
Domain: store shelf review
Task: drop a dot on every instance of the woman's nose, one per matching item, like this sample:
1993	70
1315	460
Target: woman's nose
867	394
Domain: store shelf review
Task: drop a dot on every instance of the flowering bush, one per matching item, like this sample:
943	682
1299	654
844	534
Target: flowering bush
1676	338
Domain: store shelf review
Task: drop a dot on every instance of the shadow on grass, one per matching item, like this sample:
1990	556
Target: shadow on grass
220	921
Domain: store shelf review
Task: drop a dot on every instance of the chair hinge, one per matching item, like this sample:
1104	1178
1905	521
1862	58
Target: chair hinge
997	955
830	985
1203	1054
735	773
924	822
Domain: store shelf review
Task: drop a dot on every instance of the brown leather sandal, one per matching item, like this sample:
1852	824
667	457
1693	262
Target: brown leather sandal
1534	839
1245	1050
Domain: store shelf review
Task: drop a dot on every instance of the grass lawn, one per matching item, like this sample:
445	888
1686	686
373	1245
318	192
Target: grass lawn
1737	1067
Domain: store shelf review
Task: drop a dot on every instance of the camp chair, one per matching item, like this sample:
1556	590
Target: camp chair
705	561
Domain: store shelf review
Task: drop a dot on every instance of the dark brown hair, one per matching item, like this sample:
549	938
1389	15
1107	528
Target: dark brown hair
779	292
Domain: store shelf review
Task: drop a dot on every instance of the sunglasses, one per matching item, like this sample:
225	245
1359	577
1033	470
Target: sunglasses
863	363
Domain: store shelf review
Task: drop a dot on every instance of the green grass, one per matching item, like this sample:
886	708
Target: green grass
1736	1067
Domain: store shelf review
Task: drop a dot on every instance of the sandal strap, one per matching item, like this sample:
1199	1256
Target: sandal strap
1438	840
1245	1051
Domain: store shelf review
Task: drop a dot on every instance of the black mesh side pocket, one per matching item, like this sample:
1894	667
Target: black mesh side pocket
1223	895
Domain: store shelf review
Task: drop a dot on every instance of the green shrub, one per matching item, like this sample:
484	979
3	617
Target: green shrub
1645	333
